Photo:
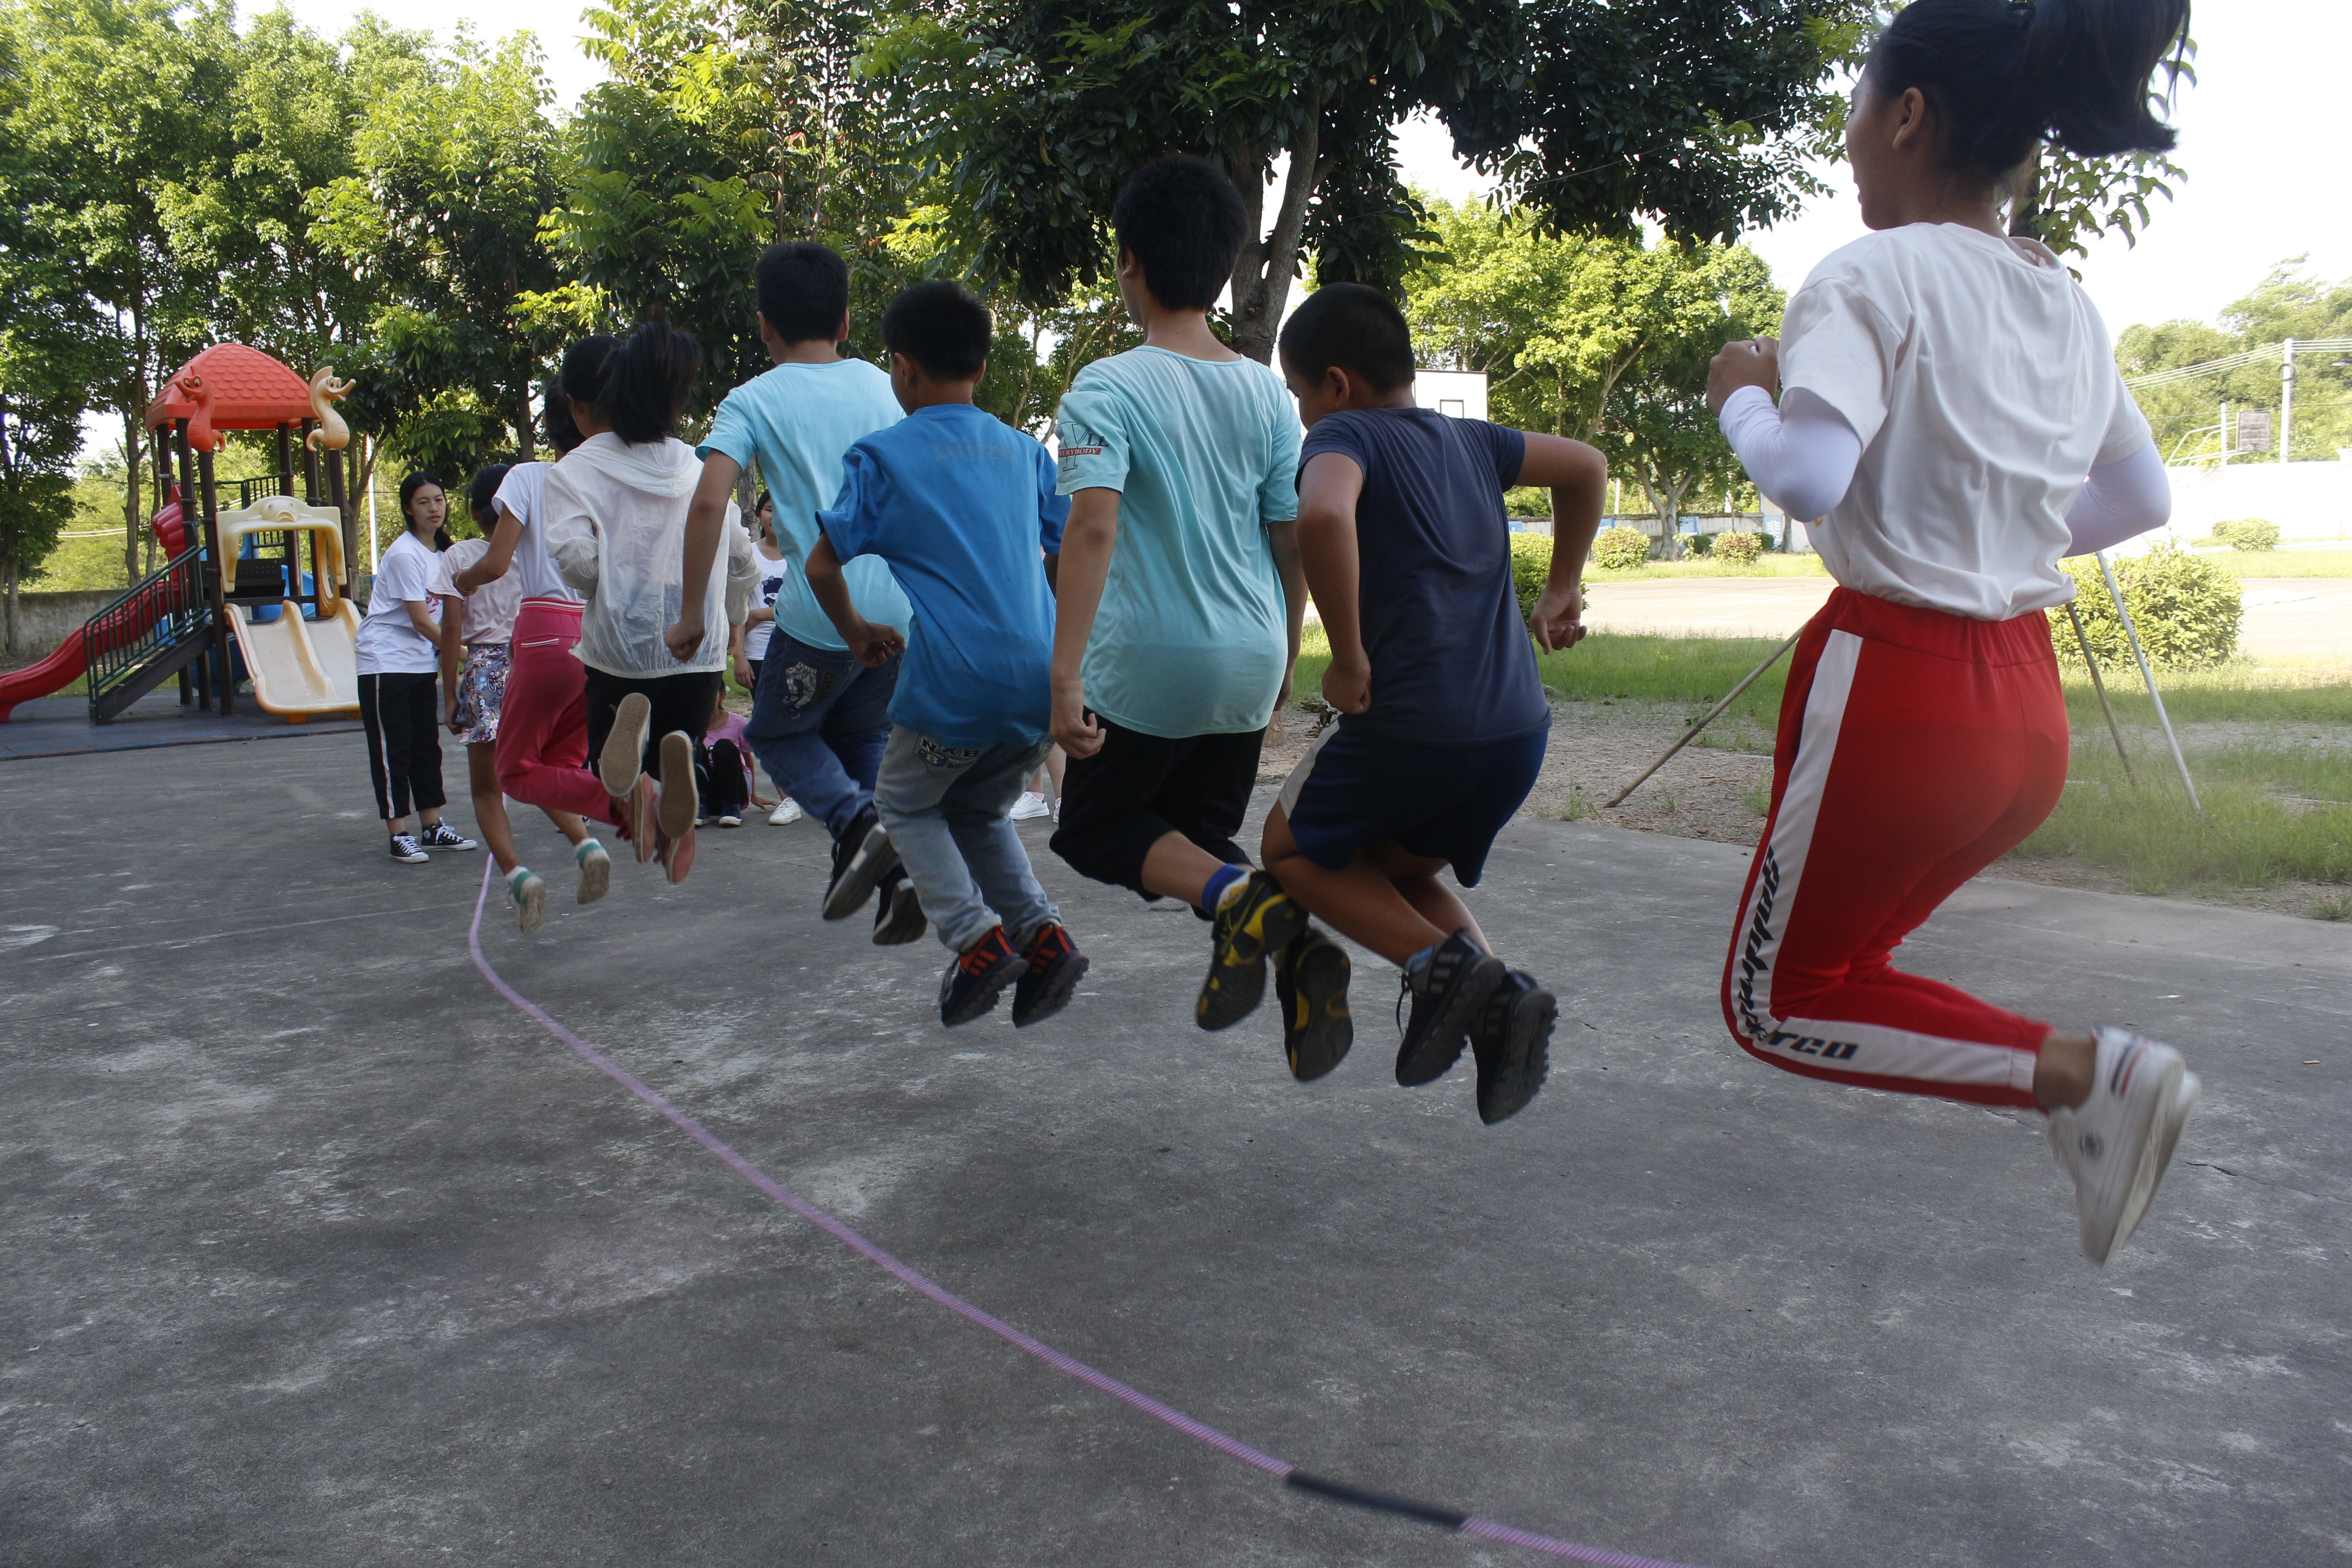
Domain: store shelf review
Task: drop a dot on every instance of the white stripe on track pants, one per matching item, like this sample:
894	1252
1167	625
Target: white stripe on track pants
1915	748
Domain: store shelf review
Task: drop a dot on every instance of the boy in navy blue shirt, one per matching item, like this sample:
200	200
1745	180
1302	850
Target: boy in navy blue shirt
962	507
1407	549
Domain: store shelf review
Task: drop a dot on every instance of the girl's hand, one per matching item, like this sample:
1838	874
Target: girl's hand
742	673
1075	730
1348	683
1750	361
1558	619
684	637
449	717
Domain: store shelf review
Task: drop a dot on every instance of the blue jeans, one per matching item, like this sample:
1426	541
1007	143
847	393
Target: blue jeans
819	722
949	814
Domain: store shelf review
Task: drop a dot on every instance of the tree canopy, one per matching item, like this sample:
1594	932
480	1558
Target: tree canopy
2288	303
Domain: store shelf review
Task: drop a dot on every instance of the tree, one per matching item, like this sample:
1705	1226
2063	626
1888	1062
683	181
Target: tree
1694	111
117	102
2288	303
456	173
1605	340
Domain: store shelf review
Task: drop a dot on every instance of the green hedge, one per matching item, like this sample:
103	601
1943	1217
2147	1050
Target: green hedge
1740	547
1530	568
1620	549
2186	609
2247	533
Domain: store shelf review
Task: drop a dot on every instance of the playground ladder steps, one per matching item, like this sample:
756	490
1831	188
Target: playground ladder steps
152	631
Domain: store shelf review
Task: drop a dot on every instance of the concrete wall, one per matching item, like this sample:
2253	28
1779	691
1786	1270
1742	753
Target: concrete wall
2308	501
45	620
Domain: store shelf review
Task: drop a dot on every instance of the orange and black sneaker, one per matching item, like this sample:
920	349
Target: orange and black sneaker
1310	983
973	981
1253	923
1055	967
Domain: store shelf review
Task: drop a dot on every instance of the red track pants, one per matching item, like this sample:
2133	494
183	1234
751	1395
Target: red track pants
1915	748
543	721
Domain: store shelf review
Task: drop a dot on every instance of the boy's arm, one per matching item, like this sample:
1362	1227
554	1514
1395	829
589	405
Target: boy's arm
704	519
869	645
1086	543
1328	487
504	535
1281	538
1578	477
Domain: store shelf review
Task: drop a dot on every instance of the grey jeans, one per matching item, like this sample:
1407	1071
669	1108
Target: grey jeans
949	811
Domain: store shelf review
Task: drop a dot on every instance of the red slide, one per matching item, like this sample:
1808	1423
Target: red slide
64	666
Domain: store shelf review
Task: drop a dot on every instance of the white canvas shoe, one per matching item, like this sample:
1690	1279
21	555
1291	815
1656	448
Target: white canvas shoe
2115	1144
1030	806
788	810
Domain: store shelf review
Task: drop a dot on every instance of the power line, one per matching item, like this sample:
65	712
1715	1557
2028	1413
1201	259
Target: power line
2267	354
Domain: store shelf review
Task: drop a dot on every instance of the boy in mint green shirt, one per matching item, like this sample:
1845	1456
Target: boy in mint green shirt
1179	606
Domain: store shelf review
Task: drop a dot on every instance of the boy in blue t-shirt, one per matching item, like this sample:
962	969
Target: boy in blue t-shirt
1405	543
1177	619
961	506
819	717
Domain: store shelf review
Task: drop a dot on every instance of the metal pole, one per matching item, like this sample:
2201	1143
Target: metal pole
2139	653
2100	686
2287	404
1713	713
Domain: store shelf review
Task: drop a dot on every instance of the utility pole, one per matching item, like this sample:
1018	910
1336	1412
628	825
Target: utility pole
2229	435
2287	404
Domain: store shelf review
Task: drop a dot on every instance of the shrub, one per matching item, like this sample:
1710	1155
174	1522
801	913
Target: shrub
1530	568
1697	545
2247	533
2186	609
1620	549
1742	548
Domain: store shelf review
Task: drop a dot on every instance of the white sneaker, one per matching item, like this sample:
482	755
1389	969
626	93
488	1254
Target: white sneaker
728	819
787	811
1030	806
2115	1144
595	870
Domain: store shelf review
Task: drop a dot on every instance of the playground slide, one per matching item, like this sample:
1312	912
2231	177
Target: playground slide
300	668
63	667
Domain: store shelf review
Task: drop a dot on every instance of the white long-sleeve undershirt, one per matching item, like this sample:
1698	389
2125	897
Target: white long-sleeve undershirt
1803	455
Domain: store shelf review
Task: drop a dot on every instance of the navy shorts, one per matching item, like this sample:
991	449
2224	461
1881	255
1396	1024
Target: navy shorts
1446	802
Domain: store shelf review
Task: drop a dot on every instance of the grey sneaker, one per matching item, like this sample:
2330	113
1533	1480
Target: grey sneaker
2115	1144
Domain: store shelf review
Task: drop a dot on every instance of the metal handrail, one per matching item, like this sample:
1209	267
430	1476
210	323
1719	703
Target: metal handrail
155	616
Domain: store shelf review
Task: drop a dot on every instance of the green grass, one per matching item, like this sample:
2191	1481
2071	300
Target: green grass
2245	838
2265	690
2244	563
1771	564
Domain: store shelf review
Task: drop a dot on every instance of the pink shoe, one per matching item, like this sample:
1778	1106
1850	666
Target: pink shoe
677	854
642	810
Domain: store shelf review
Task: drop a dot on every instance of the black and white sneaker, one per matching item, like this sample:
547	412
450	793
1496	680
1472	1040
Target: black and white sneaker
899	917
1511	1042
407	851
441	835
862	857
1447	986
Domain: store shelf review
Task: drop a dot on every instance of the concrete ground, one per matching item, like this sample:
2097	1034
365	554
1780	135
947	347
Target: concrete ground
2286	618
318	1252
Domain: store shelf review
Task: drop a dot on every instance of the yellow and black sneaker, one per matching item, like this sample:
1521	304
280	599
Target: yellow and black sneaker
1255	921
1310	983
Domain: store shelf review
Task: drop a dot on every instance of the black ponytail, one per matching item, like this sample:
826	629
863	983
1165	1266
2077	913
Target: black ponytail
441	540
647	382
482	493
2008	75
555	418
587	367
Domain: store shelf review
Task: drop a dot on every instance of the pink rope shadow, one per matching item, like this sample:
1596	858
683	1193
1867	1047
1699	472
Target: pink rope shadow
1201	1432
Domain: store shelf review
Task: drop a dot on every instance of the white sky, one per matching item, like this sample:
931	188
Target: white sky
2261	139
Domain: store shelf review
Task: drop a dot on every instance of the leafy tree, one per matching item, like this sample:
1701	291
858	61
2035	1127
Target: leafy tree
1695	113
111	105
2288	303
457	171
1605	340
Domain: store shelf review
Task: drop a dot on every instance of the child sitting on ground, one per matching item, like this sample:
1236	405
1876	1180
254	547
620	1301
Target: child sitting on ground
1405	544
958	503
722	767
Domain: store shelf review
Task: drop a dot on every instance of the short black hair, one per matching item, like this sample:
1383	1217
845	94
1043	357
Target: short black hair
1355	327
1184	224
483	491
942	327
804	290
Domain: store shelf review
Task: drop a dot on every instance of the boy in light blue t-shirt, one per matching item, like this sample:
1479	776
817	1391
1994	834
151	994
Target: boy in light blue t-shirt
1180	604
962	507
819	717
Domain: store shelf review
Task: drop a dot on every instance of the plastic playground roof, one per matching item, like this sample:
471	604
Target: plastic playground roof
251	390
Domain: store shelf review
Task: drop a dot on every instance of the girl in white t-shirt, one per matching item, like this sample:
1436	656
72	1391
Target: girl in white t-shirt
1951	410
478	629
397	653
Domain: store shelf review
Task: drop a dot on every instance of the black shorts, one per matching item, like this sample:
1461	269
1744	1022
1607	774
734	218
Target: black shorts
1140	788
1443	803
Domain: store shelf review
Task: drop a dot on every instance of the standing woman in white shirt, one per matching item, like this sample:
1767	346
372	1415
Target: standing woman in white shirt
1951	410
397	653
614	514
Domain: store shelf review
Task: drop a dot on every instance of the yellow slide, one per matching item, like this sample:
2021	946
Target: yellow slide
298	666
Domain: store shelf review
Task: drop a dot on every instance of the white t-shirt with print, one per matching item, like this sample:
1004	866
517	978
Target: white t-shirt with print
1981	382
389	642
773	575
490	609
